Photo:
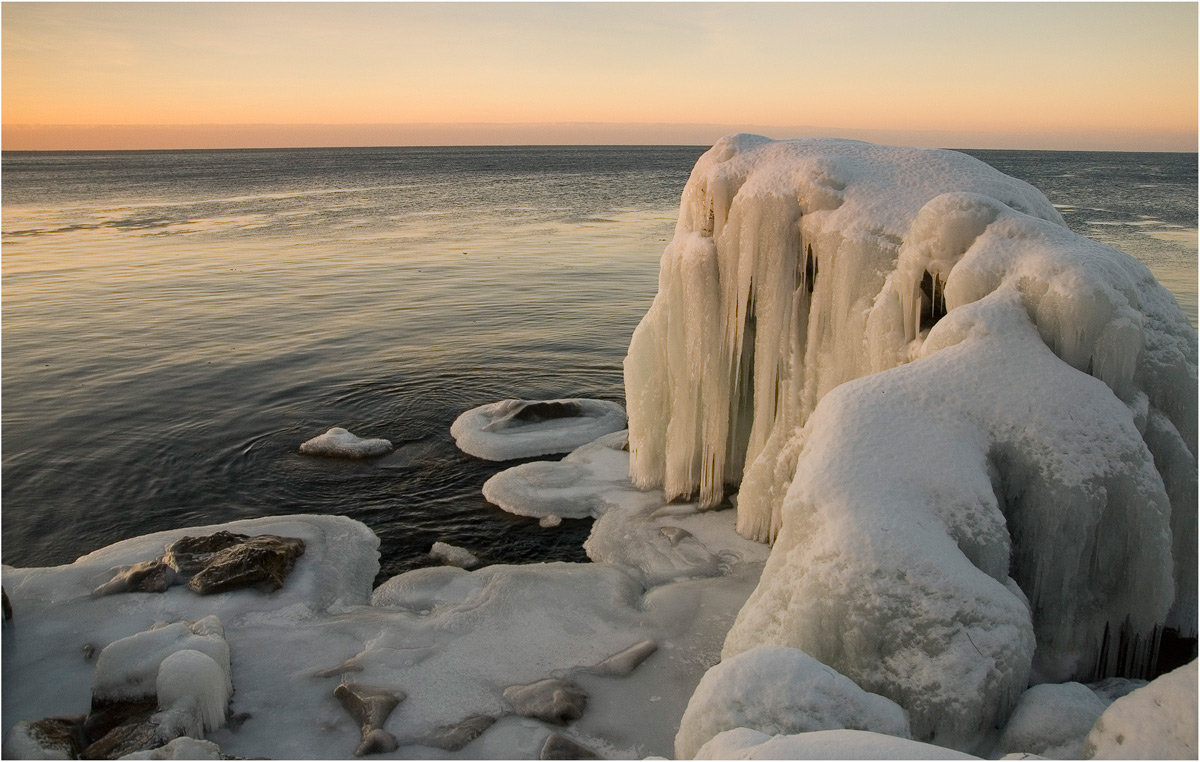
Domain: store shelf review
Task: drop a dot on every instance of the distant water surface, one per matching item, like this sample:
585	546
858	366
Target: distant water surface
176	323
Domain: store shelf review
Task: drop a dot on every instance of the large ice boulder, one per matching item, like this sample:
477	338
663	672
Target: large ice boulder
970	432
744	743
1157	721
781	691
1051	720
512	429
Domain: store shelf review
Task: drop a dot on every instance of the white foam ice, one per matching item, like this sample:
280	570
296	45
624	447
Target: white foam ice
1052	720
1157	721
511	429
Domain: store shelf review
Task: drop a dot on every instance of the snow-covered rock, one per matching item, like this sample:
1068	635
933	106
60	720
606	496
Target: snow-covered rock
1051	720
970	432
340	443
781	691
1157	721
511	429
744	743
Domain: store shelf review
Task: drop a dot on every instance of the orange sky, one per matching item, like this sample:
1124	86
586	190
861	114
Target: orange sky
1029	75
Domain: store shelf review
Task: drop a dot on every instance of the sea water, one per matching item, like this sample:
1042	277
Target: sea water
175	324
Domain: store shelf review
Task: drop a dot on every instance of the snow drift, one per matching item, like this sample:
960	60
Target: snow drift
1005	495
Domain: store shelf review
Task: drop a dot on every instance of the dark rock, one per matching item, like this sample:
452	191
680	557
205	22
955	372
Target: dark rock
264	560
143	577
558	746
188	555
89	651
550	700
5	604
107	715
455	737
370	706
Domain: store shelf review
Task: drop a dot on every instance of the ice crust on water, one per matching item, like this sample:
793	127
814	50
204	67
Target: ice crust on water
511	429
781	691
340	443
1006	492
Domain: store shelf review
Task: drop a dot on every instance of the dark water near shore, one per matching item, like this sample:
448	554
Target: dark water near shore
176	323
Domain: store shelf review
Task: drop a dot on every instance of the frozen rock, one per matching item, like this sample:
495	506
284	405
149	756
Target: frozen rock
550	700
263	561
453	555
181	748
558	746
135	735
626	661
127	669
1157	721
1051	720
370	707
193	693
456	736
743	743
781	691
49	738
189	555
512	428
152	576
340	443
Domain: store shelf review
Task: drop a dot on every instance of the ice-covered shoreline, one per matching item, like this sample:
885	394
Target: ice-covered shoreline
969	434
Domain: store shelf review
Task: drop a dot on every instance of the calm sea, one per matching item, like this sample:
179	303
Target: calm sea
175	324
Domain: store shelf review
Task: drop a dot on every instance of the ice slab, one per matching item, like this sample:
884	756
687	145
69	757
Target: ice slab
512	429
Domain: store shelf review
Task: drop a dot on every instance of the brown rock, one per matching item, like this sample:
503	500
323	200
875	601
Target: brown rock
264	560
558	746
550	700
455	737
370	707
188	555
143	577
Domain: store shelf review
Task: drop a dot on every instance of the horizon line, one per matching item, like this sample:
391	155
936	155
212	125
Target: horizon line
265	135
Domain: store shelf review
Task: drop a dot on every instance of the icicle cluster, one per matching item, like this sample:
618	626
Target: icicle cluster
1008	491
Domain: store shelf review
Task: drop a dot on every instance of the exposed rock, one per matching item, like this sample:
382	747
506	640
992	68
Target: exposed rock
350	665
674	534
5	604
370	706
107	715
263	560
535	412
621	664
550	700
136	733
558	746
182	748
188	555
152	576
455	737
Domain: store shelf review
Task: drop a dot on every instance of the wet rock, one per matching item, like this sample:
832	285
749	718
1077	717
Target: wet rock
107	715
550	700
536	412
89	651
455	737
558	746
144	577
188	555
621	664
132	736
370	706
264	561
5	604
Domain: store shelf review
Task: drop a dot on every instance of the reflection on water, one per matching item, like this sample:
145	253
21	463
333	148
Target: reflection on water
177	323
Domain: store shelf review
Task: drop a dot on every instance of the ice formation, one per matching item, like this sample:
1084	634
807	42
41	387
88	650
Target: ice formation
512	429
970	433
781	691
1051	720
340	443
193	691
1157	721
453	555
744	743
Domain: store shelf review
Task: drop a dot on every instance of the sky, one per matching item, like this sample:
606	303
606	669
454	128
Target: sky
1117	76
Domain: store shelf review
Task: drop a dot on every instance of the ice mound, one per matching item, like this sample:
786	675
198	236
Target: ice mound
1051	720
340	443
512	429
1154	722
1005	494
129	668
781	691
453	555
586	483
743	743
